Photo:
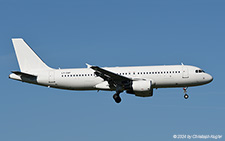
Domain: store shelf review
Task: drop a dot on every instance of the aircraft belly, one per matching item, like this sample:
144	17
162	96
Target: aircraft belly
77	84
177	82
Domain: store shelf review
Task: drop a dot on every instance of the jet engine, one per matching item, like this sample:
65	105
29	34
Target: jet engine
142	88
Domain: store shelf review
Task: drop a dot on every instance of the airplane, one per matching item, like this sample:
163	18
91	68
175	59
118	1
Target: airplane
138	80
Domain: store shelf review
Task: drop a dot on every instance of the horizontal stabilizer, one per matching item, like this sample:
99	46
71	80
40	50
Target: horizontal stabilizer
24	74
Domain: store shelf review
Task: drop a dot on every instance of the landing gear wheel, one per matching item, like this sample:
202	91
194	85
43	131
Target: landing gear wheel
117	98
186	96
185	93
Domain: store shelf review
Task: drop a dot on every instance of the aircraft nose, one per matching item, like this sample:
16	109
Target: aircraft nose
209	78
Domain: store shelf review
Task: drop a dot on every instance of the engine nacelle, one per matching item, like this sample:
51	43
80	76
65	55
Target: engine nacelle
141	88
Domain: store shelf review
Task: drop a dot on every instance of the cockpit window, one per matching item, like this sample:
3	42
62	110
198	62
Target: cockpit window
199	71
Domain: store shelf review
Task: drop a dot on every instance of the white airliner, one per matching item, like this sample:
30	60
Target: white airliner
139	81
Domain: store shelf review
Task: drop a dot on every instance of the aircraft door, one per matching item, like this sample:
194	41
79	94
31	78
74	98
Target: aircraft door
185	73
51	76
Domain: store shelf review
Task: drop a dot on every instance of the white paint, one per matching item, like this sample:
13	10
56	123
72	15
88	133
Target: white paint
141	78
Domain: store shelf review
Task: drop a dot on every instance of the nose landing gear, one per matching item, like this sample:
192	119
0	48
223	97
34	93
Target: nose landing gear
186	96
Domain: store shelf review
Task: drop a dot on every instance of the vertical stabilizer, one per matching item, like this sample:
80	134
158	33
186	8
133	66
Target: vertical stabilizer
27	58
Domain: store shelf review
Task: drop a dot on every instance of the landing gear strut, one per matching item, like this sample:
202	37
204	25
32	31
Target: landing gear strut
116	97
185	93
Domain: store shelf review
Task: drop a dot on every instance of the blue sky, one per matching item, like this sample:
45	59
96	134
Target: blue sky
68	34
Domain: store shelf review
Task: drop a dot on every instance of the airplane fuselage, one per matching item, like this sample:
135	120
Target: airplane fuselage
85	78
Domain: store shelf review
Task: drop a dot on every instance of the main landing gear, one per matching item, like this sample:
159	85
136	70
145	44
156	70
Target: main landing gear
116	97
185	93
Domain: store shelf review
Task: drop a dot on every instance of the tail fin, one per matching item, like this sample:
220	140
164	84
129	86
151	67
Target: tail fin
26	57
